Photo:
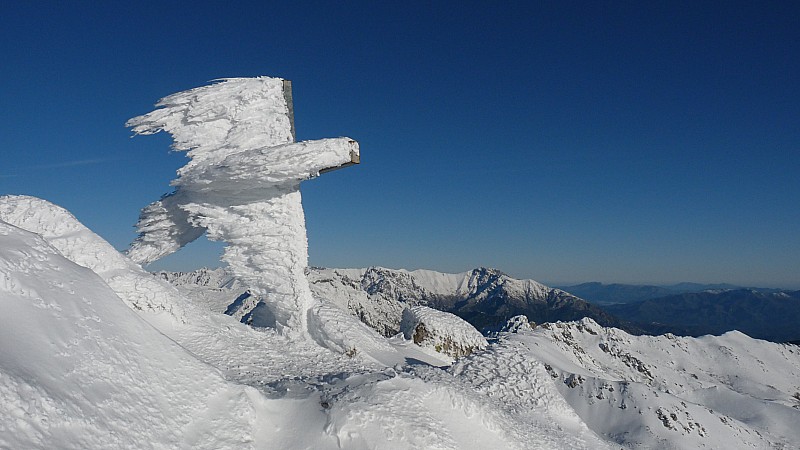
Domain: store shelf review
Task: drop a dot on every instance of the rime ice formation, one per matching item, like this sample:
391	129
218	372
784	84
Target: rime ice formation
241	186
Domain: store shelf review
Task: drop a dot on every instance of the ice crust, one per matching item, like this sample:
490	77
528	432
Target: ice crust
241	186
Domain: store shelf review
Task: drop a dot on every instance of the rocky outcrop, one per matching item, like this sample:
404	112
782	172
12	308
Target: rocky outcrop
444	332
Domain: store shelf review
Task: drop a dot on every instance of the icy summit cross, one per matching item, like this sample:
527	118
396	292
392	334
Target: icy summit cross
241	186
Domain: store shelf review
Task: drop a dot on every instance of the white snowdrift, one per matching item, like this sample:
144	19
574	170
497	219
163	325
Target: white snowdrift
80	245
79	369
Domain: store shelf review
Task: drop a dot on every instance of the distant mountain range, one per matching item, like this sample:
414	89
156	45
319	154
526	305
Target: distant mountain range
608	294
487	298
615	293
694	309
484	297
774	316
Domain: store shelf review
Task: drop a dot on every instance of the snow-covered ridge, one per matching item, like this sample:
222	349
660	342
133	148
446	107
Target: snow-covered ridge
80	369
681	392
439	283
485	297
79	244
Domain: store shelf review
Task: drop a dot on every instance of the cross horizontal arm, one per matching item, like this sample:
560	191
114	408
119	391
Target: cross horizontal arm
273	166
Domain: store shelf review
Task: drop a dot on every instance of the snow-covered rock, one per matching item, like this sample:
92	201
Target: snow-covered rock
218	278
517	324
444	332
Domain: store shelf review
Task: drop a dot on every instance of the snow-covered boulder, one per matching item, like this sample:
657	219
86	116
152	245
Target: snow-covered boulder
517	324
444	332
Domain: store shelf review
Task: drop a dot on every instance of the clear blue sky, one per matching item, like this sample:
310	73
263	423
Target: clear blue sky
647	142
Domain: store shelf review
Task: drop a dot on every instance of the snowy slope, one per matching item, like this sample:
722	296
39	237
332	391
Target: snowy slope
636	391
77	243
82	368
79	369
730	391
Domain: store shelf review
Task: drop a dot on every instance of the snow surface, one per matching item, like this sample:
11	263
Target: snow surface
724	392
79	369
82	367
